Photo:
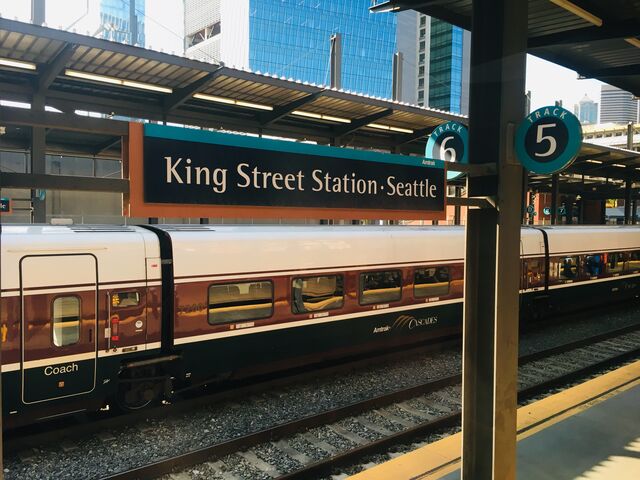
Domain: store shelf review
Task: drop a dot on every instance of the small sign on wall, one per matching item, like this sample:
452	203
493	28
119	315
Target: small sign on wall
5	205
180	172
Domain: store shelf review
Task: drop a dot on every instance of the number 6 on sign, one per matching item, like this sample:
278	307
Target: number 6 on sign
552	141
450	151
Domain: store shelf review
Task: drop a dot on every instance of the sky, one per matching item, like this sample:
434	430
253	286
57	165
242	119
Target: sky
164	24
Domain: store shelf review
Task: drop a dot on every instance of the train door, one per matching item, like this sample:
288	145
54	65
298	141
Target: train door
59	325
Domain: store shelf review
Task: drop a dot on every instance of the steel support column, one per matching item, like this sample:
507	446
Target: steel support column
634	212
38	162
498	63
627	201
555	193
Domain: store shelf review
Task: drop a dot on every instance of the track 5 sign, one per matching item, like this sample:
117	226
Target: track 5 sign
548	140
193	173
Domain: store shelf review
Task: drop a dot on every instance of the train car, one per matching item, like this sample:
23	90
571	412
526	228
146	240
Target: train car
95	315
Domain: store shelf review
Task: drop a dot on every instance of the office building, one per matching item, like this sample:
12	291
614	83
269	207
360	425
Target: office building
292	38
436	61
586	110
617	106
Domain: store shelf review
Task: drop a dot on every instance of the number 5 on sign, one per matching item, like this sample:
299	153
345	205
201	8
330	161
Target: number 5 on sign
541	138
548	140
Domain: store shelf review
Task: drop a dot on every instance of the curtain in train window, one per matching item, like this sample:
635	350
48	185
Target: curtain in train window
535	272
568	268
380	287
66	321
633	263
234	302
431	282
315	294
615	262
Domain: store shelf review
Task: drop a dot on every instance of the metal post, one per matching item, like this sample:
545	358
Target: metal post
490	344
335	61
627	201
37	12
630	136
634	212
457	209
396	83
555	193
568	209
133	23
38	162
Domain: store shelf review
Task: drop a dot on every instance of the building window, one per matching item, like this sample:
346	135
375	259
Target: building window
233	302
66	321
380	287
315	294
431	282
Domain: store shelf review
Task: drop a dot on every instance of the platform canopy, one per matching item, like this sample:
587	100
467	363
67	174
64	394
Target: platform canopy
597	39
78	72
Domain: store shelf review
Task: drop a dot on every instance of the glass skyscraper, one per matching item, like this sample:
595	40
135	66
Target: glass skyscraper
445	66
115	16
290	38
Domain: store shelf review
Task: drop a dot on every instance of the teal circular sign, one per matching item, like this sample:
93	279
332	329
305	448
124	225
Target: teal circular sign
449	142
548	140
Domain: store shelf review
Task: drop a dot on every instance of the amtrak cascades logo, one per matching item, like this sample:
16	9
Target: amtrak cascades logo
407	322
410	322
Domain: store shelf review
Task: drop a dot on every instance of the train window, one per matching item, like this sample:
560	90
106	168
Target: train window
633	262
431	282
66	321
380	287
125	299
234	302
615	262
567	268
535	272
314	294
594	264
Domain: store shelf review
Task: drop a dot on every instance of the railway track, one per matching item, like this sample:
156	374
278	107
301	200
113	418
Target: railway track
317	445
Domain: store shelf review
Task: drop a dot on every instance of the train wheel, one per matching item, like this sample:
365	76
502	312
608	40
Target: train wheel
138	389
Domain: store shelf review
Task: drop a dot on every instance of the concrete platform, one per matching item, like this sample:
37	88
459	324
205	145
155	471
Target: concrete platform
588	432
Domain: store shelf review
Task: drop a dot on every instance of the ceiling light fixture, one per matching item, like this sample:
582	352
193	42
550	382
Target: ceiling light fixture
8	62
633	41
619	165
231	101
380	126
594	161
319	116
578	11
116	81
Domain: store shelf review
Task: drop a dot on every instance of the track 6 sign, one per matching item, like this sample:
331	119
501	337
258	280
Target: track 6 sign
548	140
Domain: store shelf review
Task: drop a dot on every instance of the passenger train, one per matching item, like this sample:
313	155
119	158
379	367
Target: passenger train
96	315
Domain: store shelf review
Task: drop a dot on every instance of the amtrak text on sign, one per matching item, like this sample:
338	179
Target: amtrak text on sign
191	167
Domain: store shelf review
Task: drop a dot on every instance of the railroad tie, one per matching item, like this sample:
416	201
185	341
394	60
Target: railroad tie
374	426
260	464
319	443
344	433
222	470
394	418
287	449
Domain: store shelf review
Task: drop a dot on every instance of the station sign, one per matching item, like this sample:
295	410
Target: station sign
449	142
5	205
182	172
548	140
